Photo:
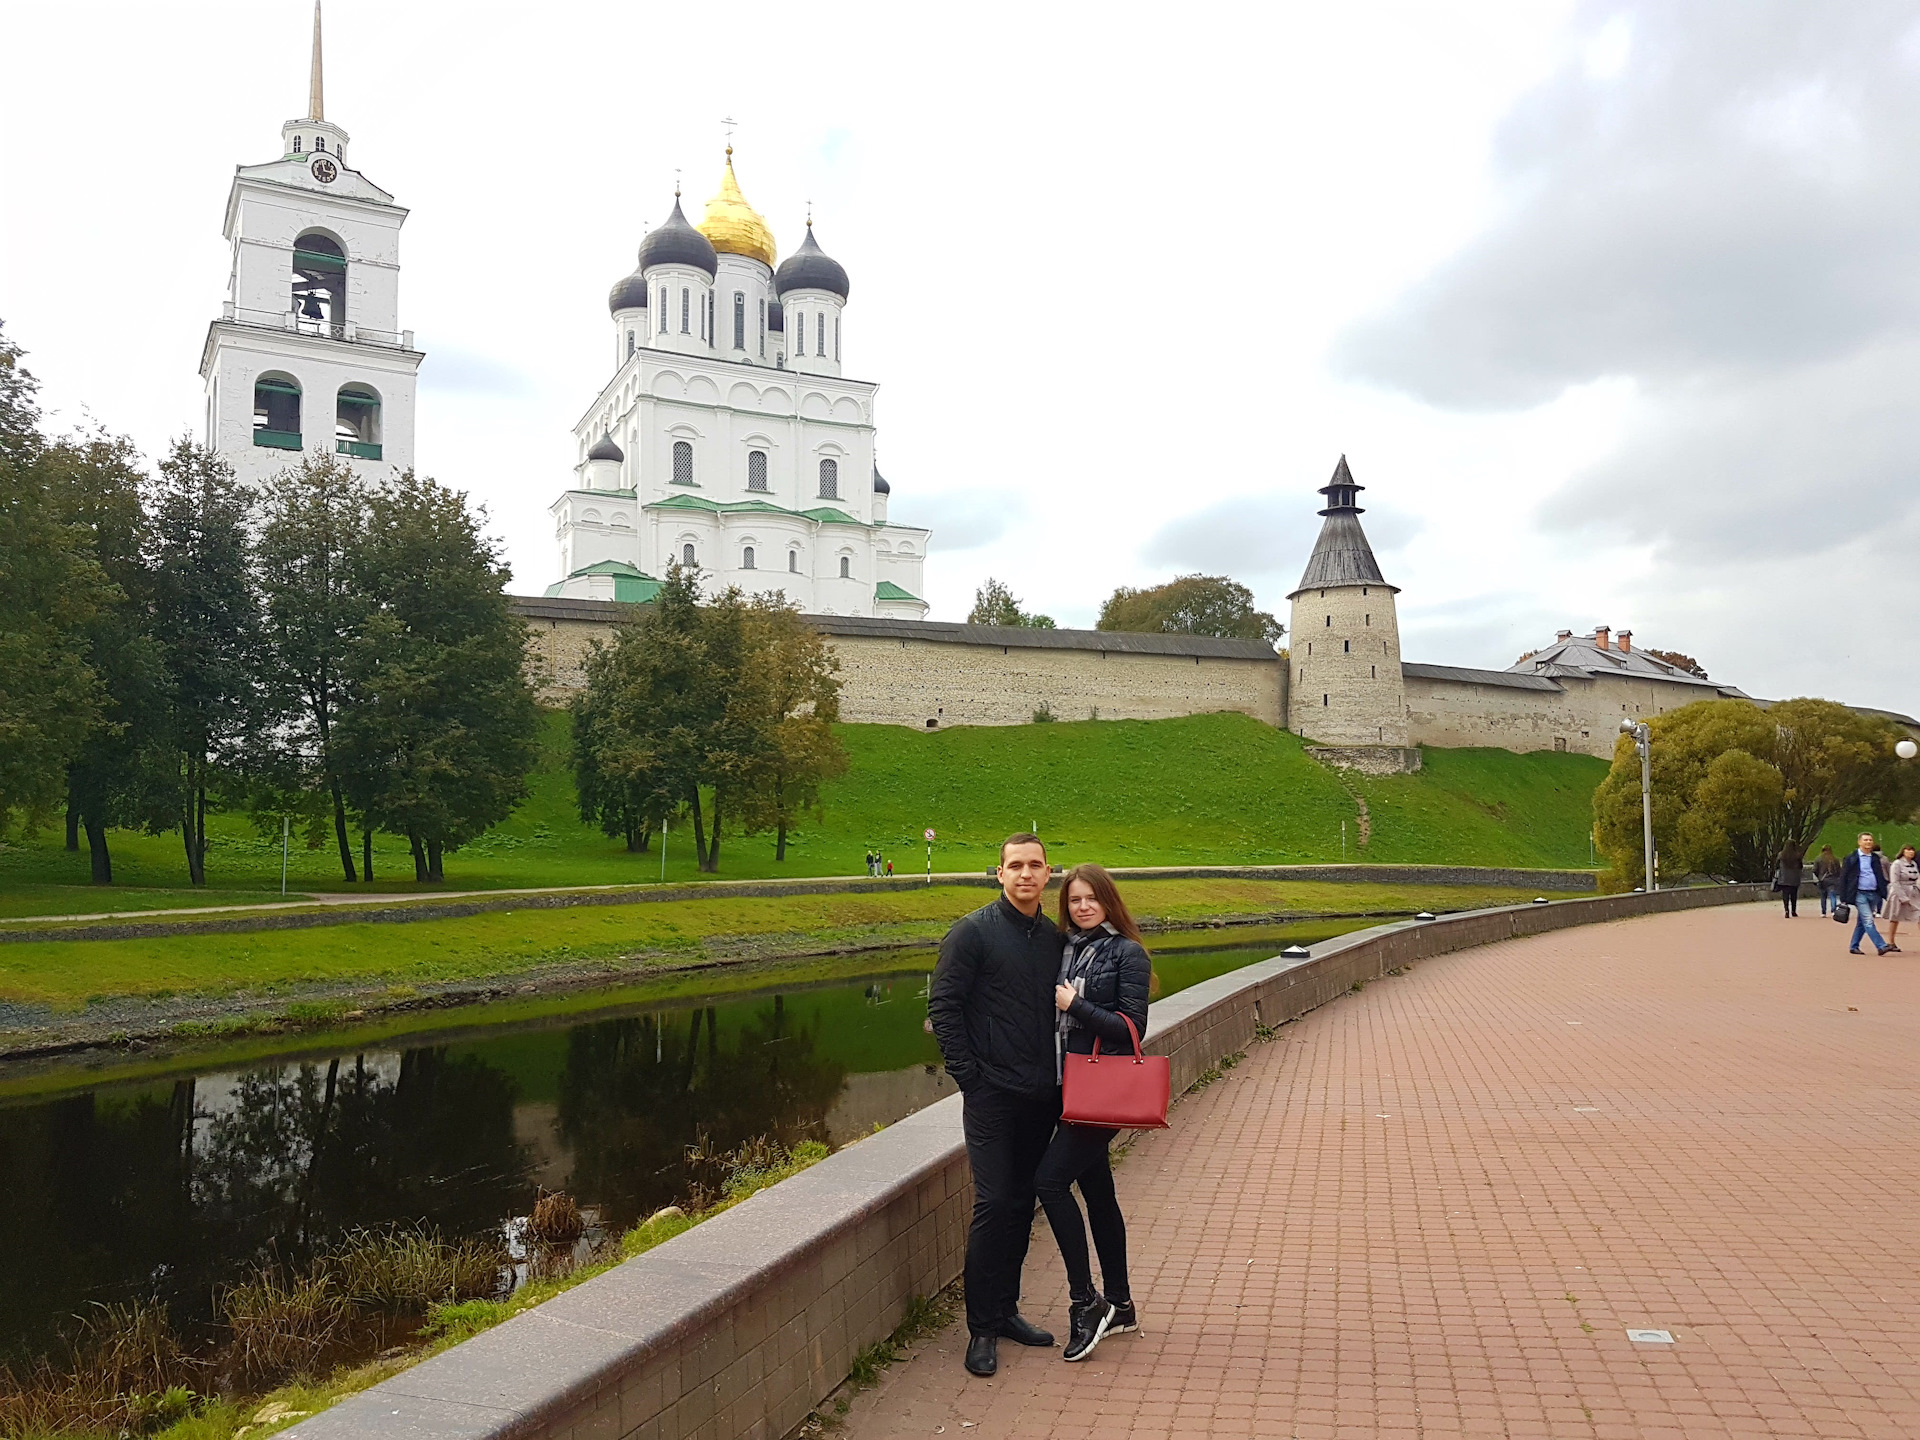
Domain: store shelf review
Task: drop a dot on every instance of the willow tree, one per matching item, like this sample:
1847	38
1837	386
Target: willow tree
1734	784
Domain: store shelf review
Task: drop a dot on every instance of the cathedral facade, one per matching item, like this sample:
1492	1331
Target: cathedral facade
728	435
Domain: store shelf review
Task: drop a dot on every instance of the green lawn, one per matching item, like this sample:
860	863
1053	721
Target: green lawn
1208	789
66	974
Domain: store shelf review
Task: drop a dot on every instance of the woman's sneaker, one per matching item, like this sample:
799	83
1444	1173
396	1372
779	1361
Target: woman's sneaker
1088	1326
1124	1319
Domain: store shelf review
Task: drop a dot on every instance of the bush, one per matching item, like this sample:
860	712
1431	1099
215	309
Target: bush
406	1271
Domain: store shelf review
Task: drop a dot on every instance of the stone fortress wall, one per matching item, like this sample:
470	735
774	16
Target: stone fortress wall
1450	707
929	675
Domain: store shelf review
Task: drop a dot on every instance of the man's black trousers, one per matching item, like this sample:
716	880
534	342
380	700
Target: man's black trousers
1006	1136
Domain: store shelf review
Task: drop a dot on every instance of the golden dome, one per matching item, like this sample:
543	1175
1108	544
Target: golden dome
734	226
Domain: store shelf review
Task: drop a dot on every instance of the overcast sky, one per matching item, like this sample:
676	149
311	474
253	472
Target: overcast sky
1615	309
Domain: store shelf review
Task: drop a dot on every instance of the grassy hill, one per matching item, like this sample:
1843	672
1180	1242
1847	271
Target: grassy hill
1209	789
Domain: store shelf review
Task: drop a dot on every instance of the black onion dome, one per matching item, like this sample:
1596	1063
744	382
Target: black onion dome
605	449
678	243
629	294
810	268
880	485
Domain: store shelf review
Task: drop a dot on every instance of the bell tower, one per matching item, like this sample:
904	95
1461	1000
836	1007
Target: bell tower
308	357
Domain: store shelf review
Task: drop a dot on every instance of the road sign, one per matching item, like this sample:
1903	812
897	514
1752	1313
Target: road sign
929	837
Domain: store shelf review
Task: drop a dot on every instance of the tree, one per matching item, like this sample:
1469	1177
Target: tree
437	732
995	604
1734	784
50	590
119	774
206	619
618	775
792	683
1190	605
315	519
1680	662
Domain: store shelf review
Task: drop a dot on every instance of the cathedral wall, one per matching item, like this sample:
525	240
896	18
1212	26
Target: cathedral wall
890	681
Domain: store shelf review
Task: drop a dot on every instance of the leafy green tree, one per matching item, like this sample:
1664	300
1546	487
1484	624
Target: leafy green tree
437	732
995	604
315	519
792	681
119	775
1734	784
51	588
621	784
206	623
1190	605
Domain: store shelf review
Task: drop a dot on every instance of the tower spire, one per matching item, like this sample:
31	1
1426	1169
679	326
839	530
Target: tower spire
316	97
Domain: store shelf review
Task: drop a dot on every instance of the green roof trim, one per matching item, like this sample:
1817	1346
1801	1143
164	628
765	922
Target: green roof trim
824	516
611	567
887	590
630	583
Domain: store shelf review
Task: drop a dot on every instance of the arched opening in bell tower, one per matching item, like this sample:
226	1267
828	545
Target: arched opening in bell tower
276	411
320	285
356	422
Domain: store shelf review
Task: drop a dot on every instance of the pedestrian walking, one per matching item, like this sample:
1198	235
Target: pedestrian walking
889	869
1863	885
1826	874
1903	894
1105	974
1786	878
991	1008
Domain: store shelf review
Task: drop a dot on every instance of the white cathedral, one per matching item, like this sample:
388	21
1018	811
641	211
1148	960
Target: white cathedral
727	437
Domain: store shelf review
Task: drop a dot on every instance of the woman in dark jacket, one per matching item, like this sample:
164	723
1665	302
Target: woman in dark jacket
1826	874
1104	974
1786	878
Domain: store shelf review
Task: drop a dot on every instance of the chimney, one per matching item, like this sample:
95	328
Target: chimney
1626	642
1563	635
1600	634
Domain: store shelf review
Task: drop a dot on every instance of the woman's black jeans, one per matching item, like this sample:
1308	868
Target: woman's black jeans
1078	1155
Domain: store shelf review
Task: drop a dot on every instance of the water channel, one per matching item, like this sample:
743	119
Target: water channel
167	1187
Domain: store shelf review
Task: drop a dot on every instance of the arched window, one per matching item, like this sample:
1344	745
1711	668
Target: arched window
276	412
820	334
829	479
629	344
356	422
746	558
686	554
686	310
320	144
682	462
757	470
662	312
793	561
739	320
296	144
320	285
846	567
763	329
836	339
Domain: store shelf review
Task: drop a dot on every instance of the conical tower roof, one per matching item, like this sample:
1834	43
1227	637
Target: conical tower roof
1342	556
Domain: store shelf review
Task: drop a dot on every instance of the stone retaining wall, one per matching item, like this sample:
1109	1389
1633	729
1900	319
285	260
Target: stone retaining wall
741	1326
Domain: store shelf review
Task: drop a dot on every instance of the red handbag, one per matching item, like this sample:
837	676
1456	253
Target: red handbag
1122	1092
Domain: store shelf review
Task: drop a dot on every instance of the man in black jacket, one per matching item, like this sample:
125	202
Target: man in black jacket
991	1005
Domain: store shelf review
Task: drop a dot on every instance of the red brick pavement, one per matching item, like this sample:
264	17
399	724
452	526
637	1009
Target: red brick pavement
1434	1209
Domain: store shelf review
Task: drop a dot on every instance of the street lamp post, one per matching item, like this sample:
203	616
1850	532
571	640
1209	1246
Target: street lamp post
1642	735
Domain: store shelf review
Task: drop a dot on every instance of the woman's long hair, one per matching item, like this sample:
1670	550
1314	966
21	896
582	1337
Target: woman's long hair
1107	893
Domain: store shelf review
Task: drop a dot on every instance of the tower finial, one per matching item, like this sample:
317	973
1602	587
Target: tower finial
676	180
809	214
728	123
316	96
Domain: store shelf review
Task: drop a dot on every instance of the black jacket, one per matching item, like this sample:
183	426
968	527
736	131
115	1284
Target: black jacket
1118	975
991	1002
1850	878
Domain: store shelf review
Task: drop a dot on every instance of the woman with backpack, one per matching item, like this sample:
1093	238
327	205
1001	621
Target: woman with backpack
1105	974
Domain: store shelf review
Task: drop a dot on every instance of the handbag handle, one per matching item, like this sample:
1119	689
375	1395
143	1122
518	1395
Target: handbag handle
1138	1058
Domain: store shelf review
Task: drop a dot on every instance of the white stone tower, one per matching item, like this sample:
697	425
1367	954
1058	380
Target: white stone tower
1346	688
307	357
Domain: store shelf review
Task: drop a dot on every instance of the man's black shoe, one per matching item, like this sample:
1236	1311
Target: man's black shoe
1089	1322
983	1355
1125	1318
1023	1331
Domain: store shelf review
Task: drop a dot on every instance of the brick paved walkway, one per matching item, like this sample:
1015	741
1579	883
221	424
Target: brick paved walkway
1435	1208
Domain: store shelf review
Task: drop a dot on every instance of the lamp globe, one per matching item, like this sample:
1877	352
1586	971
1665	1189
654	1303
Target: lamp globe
1906	749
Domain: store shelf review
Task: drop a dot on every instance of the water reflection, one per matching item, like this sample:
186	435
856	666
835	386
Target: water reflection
169	1189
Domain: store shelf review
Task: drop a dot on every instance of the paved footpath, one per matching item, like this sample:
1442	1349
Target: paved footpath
1436	1208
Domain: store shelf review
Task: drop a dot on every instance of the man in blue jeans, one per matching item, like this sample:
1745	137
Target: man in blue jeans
1863	885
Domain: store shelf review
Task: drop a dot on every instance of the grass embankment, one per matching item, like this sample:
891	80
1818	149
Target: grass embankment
624	939
1207	789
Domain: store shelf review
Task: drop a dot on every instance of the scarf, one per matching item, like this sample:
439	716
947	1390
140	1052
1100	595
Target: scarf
1076	959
